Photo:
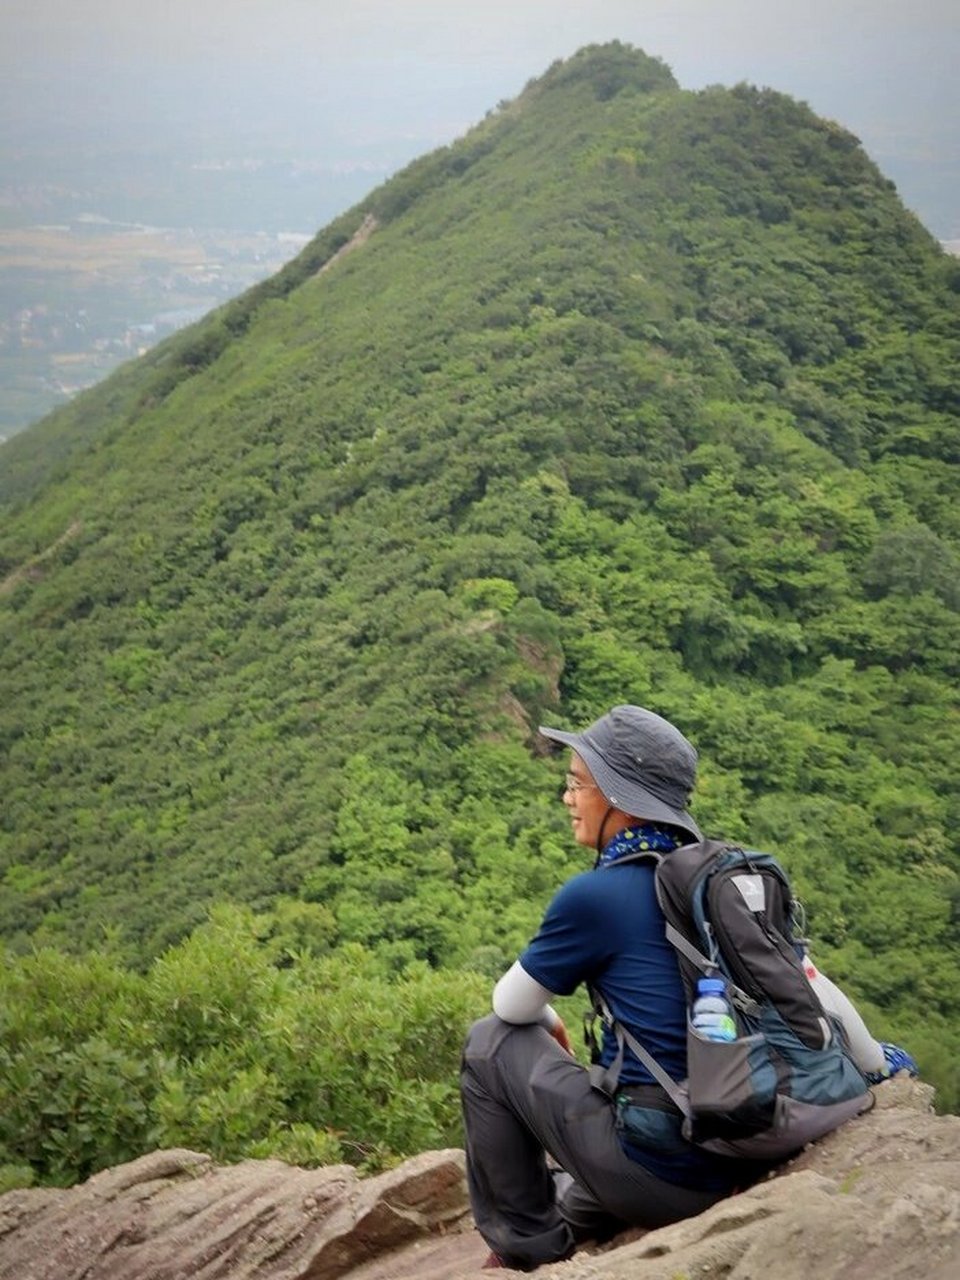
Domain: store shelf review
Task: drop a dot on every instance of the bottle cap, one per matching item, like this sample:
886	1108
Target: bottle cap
711	986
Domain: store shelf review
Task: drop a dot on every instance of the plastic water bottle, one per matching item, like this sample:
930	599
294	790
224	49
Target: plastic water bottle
711	1014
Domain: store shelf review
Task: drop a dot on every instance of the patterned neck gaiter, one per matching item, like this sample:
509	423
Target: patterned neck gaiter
643	838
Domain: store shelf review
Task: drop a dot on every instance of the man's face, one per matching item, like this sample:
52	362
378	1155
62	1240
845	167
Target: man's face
586	803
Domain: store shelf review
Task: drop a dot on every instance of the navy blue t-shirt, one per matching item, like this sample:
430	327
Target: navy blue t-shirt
606	928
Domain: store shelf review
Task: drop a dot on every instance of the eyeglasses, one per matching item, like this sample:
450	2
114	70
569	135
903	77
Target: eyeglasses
573	784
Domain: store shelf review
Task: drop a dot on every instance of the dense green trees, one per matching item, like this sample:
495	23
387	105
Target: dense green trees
631	394
216	1047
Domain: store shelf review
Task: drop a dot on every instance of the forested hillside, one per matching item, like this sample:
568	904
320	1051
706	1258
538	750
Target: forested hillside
631	394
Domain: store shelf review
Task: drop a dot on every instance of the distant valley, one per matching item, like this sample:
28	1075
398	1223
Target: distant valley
80	298
105	252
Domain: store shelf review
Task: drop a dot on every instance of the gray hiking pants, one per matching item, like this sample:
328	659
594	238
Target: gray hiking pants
523	1097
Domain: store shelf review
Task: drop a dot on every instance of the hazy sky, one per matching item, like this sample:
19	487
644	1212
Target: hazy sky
376	82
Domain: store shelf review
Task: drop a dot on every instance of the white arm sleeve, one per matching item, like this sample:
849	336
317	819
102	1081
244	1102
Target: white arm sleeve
519	998
864	1050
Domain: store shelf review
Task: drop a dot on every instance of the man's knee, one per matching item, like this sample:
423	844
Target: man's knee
480	1068
486	1036
479	1036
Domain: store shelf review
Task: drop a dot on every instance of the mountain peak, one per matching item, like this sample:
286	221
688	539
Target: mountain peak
608	69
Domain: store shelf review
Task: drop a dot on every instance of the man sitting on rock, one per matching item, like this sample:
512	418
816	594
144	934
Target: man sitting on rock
524	1095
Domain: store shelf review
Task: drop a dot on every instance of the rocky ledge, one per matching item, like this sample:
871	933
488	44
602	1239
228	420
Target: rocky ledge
877	1200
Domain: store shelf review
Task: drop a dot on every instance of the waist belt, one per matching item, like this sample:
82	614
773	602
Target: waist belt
652	1096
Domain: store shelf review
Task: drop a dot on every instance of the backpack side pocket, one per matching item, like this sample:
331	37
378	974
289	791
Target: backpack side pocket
732	1086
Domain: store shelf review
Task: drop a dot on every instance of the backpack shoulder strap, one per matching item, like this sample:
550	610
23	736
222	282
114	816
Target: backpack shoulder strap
605	1079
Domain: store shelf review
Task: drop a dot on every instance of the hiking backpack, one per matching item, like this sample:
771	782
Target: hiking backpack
787	1078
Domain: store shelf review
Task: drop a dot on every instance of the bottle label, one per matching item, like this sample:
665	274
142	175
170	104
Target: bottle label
715	1026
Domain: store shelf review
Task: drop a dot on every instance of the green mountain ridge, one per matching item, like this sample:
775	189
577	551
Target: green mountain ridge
631	394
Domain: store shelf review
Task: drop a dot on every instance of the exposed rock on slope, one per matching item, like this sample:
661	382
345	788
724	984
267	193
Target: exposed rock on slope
880	1198
176	1214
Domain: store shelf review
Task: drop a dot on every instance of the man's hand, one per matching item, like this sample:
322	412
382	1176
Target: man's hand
562	1036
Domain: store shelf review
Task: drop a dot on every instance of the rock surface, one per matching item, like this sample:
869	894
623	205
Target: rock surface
880	1198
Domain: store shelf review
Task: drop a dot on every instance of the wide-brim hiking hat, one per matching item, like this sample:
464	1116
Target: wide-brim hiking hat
642	764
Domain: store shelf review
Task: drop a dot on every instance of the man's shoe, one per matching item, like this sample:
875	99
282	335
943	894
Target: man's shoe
896	1060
